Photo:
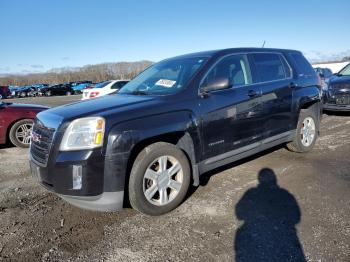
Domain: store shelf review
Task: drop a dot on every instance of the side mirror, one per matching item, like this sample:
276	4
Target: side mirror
216	84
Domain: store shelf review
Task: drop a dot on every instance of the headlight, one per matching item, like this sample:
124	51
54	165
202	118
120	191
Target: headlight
83	133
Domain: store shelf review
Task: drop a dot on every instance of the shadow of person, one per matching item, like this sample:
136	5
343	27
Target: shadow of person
270	214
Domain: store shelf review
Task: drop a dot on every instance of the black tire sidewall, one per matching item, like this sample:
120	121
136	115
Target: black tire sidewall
12	133
143	160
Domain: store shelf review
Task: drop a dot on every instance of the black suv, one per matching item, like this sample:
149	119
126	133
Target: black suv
175	121
337	93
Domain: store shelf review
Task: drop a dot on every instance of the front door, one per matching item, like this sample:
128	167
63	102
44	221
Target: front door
231	119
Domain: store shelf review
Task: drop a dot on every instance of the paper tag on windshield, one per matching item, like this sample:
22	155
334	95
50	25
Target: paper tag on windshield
165	83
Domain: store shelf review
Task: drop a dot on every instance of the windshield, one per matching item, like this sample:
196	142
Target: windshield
345	71
102	84
164	78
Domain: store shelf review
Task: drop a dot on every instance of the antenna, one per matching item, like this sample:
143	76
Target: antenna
263	44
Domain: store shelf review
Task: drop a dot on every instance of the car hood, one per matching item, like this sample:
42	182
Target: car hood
100	106
26	106
340	80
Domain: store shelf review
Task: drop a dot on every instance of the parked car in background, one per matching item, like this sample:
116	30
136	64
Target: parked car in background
16	122
60	89
5	92
80	87
324	74
23	91
13	90
104	88
38	89
337	93
176	120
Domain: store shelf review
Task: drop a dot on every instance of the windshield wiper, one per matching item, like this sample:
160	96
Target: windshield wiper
139	92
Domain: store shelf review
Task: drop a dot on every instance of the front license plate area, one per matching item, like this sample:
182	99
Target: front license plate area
344	100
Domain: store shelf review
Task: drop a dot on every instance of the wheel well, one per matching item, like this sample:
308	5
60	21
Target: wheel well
316	108
309	104
172	138
313	105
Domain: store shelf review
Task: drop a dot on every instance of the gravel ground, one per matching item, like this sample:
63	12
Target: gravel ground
275	205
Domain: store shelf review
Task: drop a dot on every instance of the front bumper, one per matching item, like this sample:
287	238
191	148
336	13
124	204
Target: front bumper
107	201
336	107
102	179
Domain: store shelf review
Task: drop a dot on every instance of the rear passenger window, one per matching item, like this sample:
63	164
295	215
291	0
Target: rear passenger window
302	64
287	68
235	68
270	67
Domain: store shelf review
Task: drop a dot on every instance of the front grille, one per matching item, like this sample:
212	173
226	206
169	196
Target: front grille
342	99
42	138
341	86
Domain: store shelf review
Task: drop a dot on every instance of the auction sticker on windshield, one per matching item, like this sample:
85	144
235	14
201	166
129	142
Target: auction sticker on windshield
165	83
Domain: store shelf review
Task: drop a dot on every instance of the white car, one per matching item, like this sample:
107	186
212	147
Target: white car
103	88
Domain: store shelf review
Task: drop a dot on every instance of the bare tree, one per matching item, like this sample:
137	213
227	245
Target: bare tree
94	73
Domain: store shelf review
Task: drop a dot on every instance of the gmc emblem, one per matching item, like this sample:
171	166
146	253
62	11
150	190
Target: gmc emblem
36	137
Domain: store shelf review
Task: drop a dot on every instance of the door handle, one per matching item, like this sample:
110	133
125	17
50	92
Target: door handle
252	93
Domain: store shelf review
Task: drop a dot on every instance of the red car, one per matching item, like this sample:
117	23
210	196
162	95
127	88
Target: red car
16	122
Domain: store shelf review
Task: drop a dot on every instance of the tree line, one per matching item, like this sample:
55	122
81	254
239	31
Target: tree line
94	73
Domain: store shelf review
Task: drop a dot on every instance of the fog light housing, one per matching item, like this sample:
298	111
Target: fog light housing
77	177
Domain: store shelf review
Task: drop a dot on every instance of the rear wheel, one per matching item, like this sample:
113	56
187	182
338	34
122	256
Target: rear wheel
159	179
306	133
20	133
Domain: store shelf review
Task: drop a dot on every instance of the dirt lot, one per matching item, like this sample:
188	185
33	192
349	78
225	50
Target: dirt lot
230	216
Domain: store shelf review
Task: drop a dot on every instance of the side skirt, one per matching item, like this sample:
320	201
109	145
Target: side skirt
243	152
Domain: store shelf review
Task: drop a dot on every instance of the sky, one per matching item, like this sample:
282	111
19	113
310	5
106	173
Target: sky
38	35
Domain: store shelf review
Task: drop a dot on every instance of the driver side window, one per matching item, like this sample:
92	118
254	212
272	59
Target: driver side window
235	68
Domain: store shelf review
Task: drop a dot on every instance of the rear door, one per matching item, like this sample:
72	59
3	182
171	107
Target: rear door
273	75
231	118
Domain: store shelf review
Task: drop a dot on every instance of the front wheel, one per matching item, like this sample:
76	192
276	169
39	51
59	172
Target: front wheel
306	133
159	179
20	133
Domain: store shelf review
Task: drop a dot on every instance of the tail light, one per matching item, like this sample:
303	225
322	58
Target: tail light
94	94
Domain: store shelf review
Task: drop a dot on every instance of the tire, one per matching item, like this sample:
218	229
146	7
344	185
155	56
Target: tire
20	133
304	143
140	184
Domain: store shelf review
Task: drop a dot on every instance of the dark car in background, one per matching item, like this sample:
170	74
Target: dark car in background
176	120
337	93
5	92
324	73
58	90
16	122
